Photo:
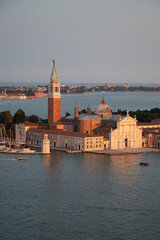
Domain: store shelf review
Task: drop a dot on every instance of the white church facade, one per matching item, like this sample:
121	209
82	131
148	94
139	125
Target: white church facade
126	135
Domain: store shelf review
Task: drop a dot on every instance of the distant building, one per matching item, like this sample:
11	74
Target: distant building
126	85
40	94
12	96
112	85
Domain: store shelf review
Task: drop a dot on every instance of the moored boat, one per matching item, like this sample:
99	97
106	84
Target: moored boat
27	150
21	159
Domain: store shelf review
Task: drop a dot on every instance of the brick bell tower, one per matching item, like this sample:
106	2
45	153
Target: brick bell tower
54	98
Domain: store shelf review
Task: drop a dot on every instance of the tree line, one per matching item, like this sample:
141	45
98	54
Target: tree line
6	117
19	117
142	115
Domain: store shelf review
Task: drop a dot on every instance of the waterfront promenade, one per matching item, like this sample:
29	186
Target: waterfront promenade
111	152
126	151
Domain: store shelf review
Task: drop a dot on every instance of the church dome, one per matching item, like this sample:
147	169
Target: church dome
103	107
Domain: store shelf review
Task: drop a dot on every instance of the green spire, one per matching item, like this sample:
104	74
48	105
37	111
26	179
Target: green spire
54	77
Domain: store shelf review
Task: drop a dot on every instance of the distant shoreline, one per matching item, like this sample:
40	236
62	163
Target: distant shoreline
35	97
112	92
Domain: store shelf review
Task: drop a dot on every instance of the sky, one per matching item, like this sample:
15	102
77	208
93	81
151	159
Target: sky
92	41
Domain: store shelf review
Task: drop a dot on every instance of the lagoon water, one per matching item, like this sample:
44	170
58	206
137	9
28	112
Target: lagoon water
80	196
116	100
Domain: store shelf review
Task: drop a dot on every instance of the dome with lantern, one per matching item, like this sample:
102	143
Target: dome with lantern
103	109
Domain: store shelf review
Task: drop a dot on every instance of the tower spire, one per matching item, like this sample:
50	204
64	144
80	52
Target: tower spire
54	78
54	98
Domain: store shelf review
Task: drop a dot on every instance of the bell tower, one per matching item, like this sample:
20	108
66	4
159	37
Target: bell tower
76	111
54	98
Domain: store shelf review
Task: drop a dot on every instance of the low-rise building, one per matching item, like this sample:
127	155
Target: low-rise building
152	136
151	125
65	139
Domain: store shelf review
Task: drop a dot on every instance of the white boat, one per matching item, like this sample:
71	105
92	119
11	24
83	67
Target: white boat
12	150
2	147
27	150
5	149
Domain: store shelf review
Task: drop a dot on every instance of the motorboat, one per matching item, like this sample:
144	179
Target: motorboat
144	164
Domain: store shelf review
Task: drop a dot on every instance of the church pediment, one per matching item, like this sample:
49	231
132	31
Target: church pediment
128	119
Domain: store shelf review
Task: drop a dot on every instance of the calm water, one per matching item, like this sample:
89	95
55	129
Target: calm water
80	196
123	100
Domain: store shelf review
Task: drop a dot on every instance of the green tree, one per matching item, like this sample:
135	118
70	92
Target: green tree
33	118
19	116
67	114
83	111
43	120
5	117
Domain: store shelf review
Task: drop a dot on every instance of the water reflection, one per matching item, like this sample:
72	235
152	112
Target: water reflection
126	169
46	160
126	163
121	170
96	162
53	161
122	164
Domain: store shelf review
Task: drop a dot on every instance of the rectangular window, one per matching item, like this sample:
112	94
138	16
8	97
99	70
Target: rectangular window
56	89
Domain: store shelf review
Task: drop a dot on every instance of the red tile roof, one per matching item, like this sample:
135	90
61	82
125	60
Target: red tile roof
62	132
155	120
26	123
148	123
151	129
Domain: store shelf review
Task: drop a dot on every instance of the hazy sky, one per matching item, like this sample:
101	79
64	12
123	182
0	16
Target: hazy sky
91	40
